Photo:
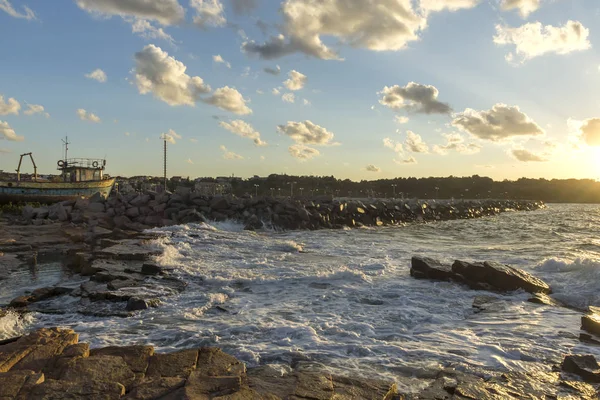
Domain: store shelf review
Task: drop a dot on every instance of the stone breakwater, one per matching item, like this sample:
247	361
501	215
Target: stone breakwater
138	212
52	364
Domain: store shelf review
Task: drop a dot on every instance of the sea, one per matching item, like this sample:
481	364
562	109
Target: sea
344	299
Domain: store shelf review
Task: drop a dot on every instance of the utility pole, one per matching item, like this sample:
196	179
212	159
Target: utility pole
165	162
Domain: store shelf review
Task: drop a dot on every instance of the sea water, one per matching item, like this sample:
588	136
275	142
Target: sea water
344	298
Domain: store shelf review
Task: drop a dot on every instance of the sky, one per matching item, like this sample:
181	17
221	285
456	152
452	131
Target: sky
358	89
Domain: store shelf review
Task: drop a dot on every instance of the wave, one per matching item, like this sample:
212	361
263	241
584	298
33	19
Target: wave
574	282
13	324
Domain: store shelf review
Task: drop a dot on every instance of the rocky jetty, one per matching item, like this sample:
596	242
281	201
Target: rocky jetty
146	210
52	364
486	275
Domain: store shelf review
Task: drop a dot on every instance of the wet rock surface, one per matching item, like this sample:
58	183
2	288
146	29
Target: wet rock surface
490	276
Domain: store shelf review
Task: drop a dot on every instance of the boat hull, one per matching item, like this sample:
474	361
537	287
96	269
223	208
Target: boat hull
52	192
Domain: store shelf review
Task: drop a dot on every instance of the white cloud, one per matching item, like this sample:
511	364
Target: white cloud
525	7
372	168
306	102
307	133
533	40
450	5
275	92
219	60
97	75
166	12
4	151
146	30
400	119
385	25
303	152
409	160
393	145
590	132
502	122
209	13
36	109
243	6
296	80
194	140
413	97
455	142
415	143
170	136
5	6
273	71
262	158
527	156
229	99
165	77
258	91
189	161
8	133
289	97
243	129
11	106
87	116
230	155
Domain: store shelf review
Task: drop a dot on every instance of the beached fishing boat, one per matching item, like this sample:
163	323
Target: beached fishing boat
79	178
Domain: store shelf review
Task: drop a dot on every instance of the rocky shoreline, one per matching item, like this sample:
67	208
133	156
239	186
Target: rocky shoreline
138	212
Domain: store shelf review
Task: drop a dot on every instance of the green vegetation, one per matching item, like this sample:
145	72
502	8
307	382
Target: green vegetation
15	208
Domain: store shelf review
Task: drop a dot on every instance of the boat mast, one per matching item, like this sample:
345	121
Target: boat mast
66	143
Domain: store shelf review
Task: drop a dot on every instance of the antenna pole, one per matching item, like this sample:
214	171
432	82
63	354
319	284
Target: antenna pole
165	164
66	143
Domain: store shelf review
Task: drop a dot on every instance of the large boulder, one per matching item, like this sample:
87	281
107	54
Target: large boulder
428	268
585	366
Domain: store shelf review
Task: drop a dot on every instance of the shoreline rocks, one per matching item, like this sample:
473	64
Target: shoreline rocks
142	211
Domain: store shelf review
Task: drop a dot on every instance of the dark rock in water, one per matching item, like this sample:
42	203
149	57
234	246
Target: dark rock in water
540	298
487	303
135	304
587	338
500	277
591	323
151	269
428	268
219	203
585	366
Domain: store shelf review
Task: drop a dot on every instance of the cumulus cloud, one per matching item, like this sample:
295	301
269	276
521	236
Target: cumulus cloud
590	132
289	98
306	102
296	80
243	6
36	109
243	129
372	168
409	160
413	97
415	143
146	30
11	106
500	123
385	25
455	142
170	136
400	119
8	133
87	116
275	92
162	75
525	7
97	75
166	12
219	60
230	155
209	13
273	71
229	99
450	5
27	13
303	152
533	40
527	156
307	133
393	145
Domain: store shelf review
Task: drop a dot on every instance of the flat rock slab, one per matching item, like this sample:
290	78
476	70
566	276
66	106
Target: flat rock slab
85	390
136	357
155	388
585	366
12	382
98	368
591	323
127	252
213	362
178	364
428	268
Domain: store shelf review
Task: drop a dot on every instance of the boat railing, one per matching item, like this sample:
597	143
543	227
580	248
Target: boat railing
96	163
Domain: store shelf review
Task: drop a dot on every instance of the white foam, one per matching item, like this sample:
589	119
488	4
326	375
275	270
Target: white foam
13	324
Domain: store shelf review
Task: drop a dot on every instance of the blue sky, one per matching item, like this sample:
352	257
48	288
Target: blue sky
503	88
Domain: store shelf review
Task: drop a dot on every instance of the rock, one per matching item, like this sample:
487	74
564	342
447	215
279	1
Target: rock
121	221
214	362
156	388
500	277
12	382
540	298
151	269
77	350
98	368
84	390
28	212
96	207
133	212
219	203
192	217
371	389
200	386
585	366
136	304
591	323
34	351
425	267
178	364
488	303
136	357
96	198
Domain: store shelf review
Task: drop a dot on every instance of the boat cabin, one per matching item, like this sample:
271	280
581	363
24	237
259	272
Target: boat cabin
82	169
